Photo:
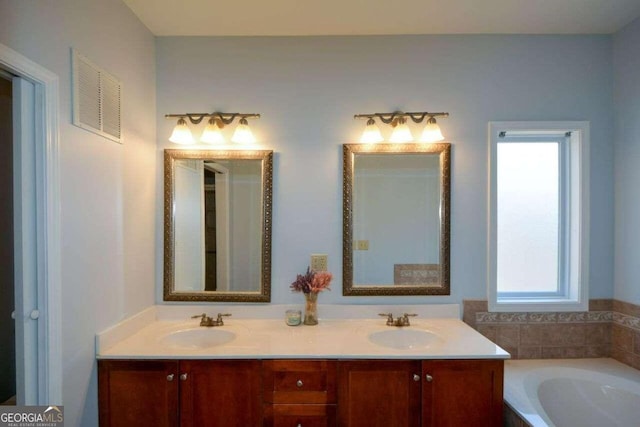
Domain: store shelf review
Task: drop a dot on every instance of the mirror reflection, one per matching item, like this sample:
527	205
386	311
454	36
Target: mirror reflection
396	219
217	225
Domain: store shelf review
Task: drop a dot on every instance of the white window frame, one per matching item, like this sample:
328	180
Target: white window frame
574	293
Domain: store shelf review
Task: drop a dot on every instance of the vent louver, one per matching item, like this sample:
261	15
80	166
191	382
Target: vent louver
96	99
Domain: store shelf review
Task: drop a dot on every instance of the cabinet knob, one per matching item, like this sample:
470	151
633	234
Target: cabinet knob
170	377
183	377
428	377
416	377
299	425
299	383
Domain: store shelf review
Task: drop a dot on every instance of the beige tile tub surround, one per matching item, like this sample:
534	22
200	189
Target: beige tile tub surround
557	335
625	333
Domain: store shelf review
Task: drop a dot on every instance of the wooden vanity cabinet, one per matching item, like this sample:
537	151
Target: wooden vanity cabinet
299	393
464	393
185	393
220	393
138	392
406	393
379	393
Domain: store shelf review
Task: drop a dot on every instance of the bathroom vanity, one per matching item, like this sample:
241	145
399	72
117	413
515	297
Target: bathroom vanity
259	372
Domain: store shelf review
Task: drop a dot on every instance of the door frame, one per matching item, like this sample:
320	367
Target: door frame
47	227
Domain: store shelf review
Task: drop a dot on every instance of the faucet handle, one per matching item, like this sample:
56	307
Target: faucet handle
219	320
203	315
389	317
406	318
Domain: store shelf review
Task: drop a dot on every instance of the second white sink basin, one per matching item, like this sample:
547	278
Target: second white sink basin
404	339
198	338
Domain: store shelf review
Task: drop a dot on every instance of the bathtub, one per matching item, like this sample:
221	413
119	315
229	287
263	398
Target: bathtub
573	392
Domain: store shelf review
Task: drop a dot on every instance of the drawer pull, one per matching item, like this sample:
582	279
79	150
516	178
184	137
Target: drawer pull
183	377
428	377
170	377
299	425
416	377
299	383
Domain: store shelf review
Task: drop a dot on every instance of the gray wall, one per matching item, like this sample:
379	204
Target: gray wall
308	89
626	54
107	189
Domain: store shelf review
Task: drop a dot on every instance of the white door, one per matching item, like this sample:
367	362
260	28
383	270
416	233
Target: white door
25	245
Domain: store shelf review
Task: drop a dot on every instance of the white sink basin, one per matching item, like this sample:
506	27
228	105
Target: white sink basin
198	338
403	339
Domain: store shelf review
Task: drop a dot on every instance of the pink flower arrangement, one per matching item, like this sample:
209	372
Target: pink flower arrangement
312	281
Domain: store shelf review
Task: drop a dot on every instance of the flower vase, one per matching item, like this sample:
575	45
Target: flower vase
311	308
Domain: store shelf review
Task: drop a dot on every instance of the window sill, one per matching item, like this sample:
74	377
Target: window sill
538	305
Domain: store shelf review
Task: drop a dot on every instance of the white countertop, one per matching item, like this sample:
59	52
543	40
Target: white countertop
141	337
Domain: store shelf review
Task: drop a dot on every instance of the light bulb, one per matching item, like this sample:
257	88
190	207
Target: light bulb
401	132
432	132
243	134
371	133
181	133
212	133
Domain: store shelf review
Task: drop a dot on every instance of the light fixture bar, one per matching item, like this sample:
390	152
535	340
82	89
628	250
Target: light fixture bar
225	118
401	132
216	121
388	118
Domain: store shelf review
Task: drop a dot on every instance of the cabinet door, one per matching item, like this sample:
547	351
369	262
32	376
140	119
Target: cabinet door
379	393
462	393
138	393
220	393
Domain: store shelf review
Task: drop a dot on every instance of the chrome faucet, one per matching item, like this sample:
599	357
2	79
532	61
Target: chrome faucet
400	321
209	322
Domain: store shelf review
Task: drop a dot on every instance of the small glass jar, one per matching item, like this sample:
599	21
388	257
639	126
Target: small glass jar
293	317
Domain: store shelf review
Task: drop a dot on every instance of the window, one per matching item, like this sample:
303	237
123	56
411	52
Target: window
538	216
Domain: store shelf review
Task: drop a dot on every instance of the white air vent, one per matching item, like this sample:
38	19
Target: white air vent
96	99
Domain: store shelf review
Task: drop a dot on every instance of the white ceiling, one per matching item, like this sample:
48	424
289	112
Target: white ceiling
367	17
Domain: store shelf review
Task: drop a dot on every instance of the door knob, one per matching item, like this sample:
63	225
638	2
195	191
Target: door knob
34	314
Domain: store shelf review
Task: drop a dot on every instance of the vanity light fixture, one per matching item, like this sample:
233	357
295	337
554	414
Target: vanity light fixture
243	134
371	133
213	132
181	133
431	132
401	132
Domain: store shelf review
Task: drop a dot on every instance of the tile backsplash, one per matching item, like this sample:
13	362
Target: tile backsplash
625	333
609	328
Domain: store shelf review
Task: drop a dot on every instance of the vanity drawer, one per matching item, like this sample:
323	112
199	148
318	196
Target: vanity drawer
299	381
299	415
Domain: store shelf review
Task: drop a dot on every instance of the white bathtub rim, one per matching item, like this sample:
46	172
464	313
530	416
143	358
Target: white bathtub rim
520	381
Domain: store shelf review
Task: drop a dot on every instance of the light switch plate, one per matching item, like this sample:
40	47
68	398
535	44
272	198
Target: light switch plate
319	262
363	245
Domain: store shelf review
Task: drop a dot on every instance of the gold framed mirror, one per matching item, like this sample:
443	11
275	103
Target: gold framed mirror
396	221
217	225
